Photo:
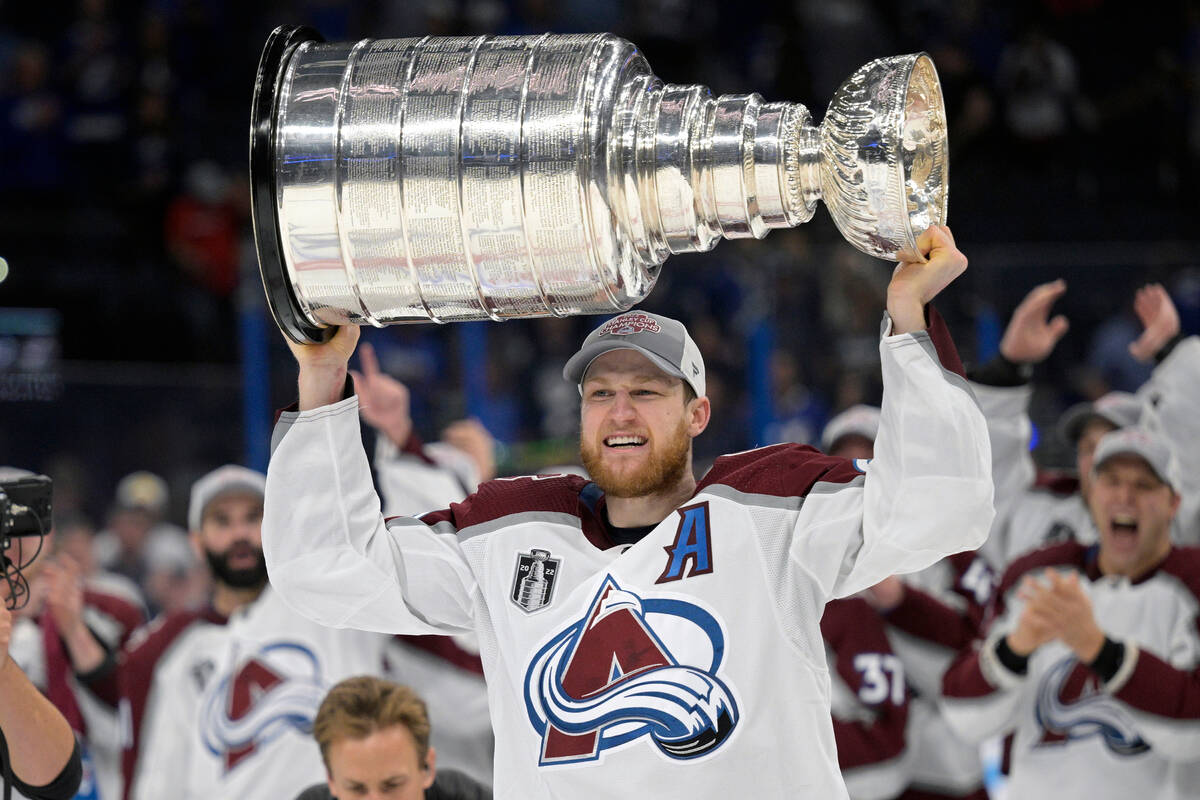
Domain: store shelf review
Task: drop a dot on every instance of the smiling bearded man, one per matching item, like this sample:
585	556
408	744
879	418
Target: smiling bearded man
639	411
628	620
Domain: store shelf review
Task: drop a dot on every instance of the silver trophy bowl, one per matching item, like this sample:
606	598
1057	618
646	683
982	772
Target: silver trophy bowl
466	178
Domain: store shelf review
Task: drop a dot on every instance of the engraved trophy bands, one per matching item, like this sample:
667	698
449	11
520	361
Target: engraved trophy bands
488	177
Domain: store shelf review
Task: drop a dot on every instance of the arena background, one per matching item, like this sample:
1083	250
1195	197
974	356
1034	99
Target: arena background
133	333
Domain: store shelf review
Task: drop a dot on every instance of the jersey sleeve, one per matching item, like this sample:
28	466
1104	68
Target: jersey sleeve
1172	407
419	478
148	764
331	555
1010	431
1164	700
981	696
928	491
1162	690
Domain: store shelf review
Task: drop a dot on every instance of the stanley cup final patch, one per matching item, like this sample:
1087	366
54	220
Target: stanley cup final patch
533	581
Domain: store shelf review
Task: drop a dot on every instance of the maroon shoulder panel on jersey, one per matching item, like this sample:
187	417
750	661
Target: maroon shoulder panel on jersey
781	470
1056	482
1155	686
501	497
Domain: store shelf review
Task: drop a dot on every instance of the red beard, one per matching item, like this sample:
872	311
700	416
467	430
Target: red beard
660	474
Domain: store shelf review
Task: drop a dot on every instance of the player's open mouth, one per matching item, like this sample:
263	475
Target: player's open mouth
624	442
1124	526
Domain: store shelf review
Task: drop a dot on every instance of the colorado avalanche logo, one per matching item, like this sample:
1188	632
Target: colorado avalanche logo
628	324
608	680
277	690
1070	705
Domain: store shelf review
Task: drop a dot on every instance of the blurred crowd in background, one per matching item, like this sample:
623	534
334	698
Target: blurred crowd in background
124	216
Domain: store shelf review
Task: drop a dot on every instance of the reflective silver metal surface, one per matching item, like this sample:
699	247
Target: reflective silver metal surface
496	177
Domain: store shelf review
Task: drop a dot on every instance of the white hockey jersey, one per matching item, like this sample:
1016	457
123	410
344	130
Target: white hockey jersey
224	708
112	610
444	670
1029	517
230	704
940	614
1138	735
689	664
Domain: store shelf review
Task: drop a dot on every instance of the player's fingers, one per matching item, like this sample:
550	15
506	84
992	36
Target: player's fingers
938	239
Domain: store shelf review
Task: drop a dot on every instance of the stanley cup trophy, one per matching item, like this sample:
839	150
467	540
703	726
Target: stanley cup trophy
466	178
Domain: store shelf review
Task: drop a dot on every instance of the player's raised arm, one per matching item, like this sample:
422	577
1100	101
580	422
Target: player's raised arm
329	552
323	367
928	491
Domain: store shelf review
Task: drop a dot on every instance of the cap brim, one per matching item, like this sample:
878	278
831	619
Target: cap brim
1141	456
578	364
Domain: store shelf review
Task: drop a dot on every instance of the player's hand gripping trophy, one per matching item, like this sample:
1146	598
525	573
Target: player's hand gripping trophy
495	177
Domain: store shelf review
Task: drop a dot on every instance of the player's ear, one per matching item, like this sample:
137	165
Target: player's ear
699	413
197	545
430	767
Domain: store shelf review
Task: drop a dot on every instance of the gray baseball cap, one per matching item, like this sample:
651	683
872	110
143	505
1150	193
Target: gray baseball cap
1120	409
229	479
1147	445
663	340
860	420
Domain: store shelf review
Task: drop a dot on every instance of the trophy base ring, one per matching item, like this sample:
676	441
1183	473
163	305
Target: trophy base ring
281	296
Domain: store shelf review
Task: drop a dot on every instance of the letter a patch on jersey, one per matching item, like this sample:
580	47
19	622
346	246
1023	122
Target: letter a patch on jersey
691	545
611	679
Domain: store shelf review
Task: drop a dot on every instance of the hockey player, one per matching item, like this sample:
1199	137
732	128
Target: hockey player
1029	516
930	616
869	701
627	624
1092	657
374	737
218	702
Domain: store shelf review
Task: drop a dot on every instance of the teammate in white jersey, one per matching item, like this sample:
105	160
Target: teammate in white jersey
219	702
1031	515
1092	659
929	617
645	635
